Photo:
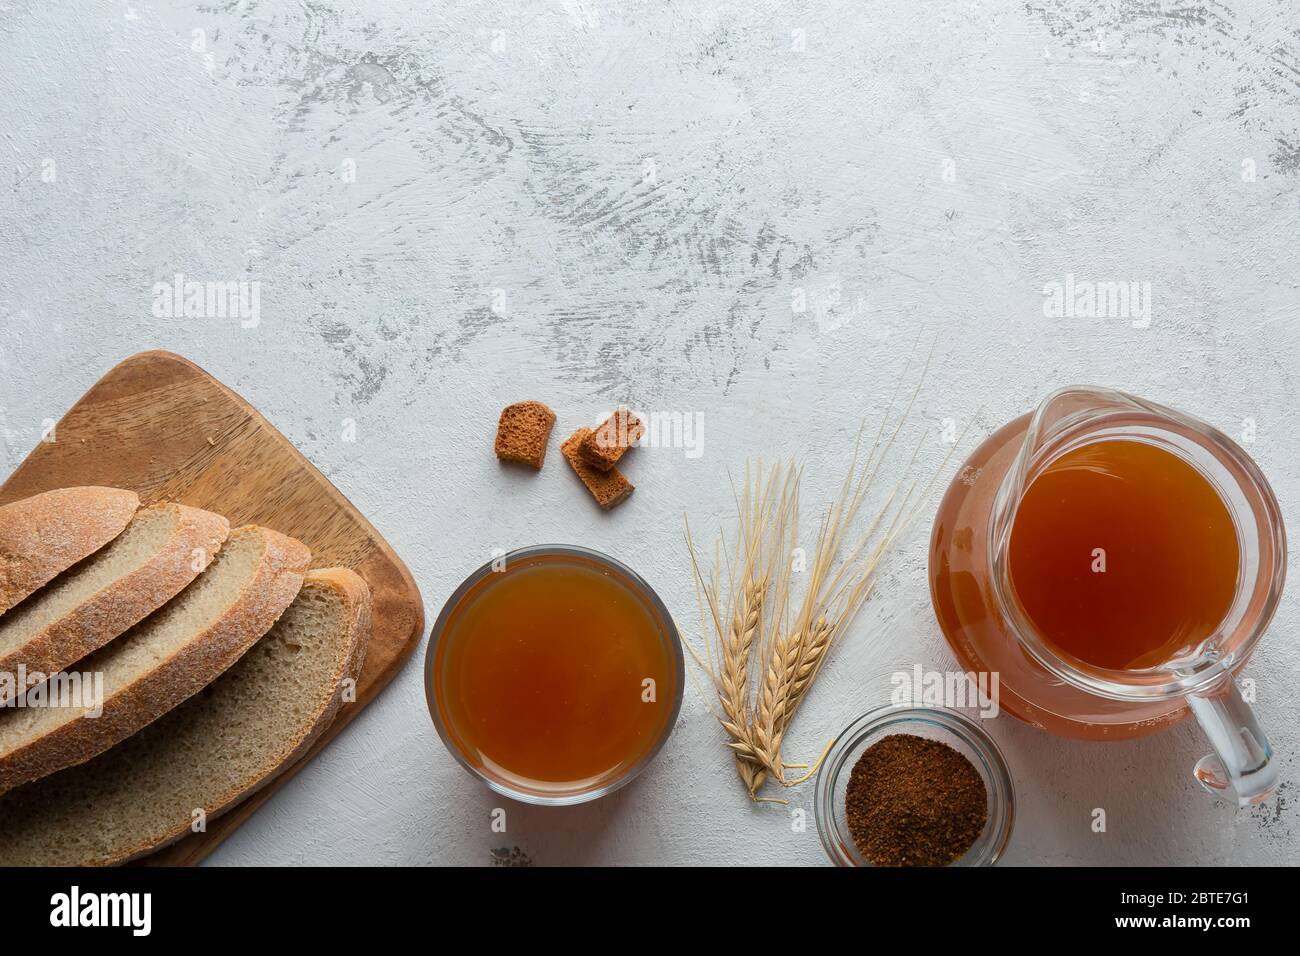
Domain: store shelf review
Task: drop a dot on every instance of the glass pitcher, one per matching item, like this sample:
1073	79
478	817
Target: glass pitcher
989	631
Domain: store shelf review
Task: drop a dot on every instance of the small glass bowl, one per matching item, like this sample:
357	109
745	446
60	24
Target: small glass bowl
936	723
633	582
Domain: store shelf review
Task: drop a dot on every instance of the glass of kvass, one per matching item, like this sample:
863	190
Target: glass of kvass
1115	562
554	674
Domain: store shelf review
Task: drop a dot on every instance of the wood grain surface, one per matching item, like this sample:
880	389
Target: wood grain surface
159	425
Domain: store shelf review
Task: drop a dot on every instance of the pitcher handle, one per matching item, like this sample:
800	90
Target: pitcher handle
1242	768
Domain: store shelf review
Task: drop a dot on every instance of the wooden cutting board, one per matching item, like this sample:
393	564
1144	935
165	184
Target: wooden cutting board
164	428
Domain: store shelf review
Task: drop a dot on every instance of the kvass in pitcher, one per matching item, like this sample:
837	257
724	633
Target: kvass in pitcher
1115	561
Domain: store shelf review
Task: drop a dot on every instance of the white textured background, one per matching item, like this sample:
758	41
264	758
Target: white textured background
794	146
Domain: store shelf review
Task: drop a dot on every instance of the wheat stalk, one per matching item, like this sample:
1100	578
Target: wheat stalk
816	644
733	693
735	660
768	647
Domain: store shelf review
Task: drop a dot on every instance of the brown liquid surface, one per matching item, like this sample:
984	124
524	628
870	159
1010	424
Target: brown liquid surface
542	669
1170	549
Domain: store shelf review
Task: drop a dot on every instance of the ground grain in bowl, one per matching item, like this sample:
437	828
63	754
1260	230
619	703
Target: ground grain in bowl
912	801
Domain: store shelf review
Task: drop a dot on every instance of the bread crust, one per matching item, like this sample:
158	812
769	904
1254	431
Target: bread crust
44	535
261	601
188	550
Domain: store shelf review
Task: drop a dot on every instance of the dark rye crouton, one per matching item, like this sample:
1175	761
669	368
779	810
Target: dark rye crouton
523	431
605	446
609	488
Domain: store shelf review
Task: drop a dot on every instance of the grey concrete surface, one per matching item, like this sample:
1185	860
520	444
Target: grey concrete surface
749	210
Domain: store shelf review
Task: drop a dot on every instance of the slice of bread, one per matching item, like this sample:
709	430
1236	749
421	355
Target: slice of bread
208	754
523	432
159	663
162	550
44	535
609	488
614	436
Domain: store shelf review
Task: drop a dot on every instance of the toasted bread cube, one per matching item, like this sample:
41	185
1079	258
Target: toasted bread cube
609	488
522	433
615	435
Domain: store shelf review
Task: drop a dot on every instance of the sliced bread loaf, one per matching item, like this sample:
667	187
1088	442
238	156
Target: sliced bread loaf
46	534
223	744
163	660
163	549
